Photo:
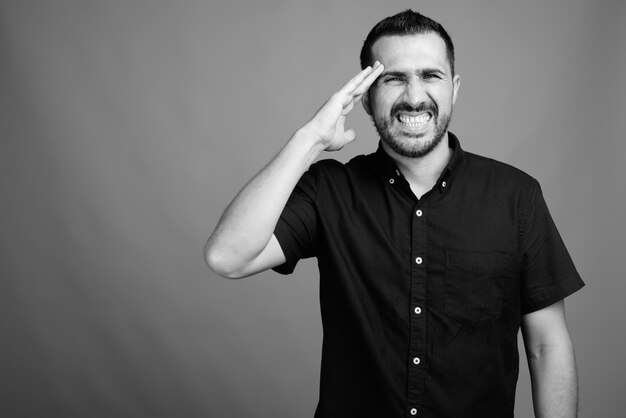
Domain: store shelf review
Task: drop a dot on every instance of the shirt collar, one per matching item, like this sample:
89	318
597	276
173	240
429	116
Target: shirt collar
390	169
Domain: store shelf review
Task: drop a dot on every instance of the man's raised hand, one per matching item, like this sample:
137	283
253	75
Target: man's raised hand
328	123
243	242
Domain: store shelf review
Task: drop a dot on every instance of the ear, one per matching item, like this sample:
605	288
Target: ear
456	83
365	100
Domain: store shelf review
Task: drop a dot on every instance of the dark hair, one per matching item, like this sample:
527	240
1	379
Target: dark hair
405	23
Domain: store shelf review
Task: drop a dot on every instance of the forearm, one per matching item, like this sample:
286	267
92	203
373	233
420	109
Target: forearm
554	380
248	223
242	241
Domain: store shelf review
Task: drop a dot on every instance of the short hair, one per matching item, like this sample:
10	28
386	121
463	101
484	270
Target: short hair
405	23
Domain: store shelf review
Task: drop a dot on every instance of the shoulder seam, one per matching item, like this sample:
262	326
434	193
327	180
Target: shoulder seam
524	218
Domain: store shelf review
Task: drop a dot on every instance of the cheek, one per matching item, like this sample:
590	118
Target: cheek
445	97
381	101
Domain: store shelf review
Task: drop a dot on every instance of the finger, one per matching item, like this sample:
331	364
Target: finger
365	84
357	97
349	135
350	101
355	81
348	107
360	89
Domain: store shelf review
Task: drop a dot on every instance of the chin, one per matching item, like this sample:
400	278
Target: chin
413	145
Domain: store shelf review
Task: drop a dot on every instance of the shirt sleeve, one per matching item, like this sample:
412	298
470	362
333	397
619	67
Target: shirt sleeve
548	273
296	230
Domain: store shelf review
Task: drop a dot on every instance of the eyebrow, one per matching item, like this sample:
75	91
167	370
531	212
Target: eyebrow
392	73
403	74
432	70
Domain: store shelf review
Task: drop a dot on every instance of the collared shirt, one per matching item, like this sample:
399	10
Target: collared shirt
421	299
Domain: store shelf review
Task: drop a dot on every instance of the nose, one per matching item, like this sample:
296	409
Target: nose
415	93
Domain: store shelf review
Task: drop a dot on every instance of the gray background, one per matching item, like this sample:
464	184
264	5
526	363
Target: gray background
127	126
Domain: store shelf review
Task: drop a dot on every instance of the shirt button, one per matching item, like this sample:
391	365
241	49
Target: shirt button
416	360
418	310
419	212
444	184
391	181
418	260
413	411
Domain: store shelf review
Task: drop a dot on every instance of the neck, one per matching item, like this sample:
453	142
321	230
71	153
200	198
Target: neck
422	172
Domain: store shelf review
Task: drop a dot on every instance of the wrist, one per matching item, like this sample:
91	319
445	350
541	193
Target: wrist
308	134
305	140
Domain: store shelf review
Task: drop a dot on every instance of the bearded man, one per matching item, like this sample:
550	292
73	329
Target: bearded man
431	258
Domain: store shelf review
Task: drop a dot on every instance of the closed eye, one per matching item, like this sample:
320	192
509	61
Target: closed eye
431	76
393	80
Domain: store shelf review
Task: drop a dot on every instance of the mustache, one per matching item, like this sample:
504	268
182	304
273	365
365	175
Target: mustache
422	107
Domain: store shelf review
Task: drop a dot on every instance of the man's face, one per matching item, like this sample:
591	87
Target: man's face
411	102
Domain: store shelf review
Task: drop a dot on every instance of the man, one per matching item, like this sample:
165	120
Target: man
430	257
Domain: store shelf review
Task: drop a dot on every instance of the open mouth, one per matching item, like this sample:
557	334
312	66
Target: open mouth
414	122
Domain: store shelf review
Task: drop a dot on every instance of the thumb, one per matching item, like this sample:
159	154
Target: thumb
349	135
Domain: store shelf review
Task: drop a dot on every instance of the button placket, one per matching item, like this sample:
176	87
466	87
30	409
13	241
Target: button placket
417	321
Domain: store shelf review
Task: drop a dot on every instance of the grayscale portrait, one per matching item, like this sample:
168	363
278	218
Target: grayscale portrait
312	209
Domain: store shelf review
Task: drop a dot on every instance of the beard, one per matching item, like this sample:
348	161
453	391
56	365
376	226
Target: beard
412	145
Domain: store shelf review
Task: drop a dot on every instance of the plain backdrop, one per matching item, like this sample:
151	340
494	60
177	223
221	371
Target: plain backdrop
126	127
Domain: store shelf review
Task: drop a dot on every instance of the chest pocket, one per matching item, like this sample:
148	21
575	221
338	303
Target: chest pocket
474	285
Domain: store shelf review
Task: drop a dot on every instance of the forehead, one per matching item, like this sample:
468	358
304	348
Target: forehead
409	52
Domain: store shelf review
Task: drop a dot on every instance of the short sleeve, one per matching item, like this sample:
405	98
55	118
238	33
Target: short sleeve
548	273
296	230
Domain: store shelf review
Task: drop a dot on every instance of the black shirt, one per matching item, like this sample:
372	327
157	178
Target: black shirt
421	300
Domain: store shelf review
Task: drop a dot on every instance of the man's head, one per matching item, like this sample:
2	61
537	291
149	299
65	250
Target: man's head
405	23
411	102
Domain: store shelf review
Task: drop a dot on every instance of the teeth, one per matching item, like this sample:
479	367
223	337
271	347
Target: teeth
415	121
